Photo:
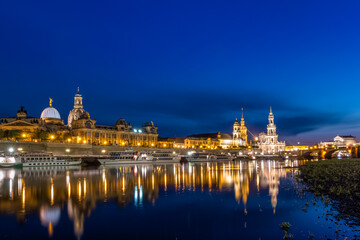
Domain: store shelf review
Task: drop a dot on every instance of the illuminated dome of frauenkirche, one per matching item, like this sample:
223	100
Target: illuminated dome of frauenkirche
78	112
50	112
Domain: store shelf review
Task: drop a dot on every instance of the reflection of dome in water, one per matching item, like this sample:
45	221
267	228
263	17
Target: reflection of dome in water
50	113
49	215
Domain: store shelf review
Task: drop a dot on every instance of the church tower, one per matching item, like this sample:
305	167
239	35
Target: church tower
78	100
78	111
272	137
236	133
243	128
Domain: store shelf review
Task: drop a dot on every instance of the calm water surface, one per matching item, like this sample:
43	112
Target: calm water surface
224	200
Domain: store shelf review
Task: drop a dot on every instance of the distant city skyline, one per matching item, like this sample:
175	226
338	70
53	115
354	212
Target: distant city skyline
189	67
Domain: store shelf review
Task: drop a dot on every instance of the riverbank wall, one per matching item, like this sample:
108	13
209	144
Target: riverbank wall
71	148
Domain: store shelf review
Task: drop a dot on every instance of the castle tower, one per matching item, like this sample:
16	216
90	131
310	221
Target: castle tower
243	128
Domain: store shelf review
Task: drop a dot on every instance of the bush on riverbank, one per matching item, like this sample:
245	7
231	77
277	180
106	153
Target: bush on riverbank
337	178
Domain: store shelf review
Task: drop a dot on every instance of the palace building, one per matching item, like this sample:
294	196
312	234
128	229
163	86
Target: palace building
268	142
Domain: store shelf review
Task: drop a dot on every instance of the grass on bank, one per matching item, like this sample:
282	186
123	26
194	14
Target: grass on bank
338	179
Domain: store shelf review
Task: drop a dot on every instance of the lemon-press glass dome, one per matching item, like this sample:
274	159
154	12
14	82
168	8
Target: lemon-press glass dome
50	112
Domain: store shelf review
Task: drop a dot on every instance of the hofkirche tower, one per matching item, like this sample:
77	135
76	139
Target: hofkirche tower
240	132
243	128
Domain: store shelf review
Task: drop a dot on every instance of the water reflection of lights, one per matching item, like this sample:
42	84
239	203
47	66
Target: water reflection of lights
10	189
152	181
84	187
23	198
121	184
52	194
12	174
138	195
228	179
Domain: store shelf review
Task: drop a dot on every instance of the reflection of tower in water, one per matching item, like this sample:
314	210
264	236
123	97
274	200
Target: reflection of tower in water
81	190
271	172
241	189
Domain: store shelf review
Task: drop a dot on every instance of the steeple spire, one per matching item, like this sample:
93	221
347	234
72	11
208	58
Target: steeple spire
78	90
242	112
270	110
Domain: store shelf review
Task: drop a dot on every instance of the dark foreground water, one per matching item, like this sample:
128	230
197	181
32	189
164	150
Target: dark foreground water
193	201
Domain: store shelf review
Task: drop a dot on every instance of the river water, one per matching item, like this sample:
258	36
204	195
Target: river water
218	200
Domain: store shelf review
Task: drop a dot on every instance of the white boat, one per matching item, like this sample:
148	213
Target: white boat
160	156
198	157
119	157
205	157
134	157
220	157
9	161
46	159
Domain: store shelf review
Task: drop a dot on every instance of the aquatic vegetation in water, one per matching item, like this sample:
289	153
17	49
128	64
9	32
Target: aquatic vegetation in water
337	180
285	227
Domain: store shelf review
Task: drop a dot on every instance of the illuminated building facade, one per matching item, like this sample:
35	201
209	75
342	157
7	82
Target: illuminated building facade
268	142
339	141
297	148
49	121
80	129
122	133
210	141
22	122
240	132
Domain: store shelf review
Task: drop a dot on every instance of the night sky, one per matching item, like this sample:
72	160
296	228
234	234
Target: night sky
188	66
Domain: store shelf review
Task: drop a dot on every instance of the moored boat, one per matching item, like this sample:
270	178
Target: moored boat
205	157
134	157
119	157
198	157
9	161
46	159
163	156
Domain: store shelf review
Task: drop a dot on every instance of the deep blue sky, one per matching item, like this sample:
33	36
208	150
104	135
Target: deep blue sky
188	66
